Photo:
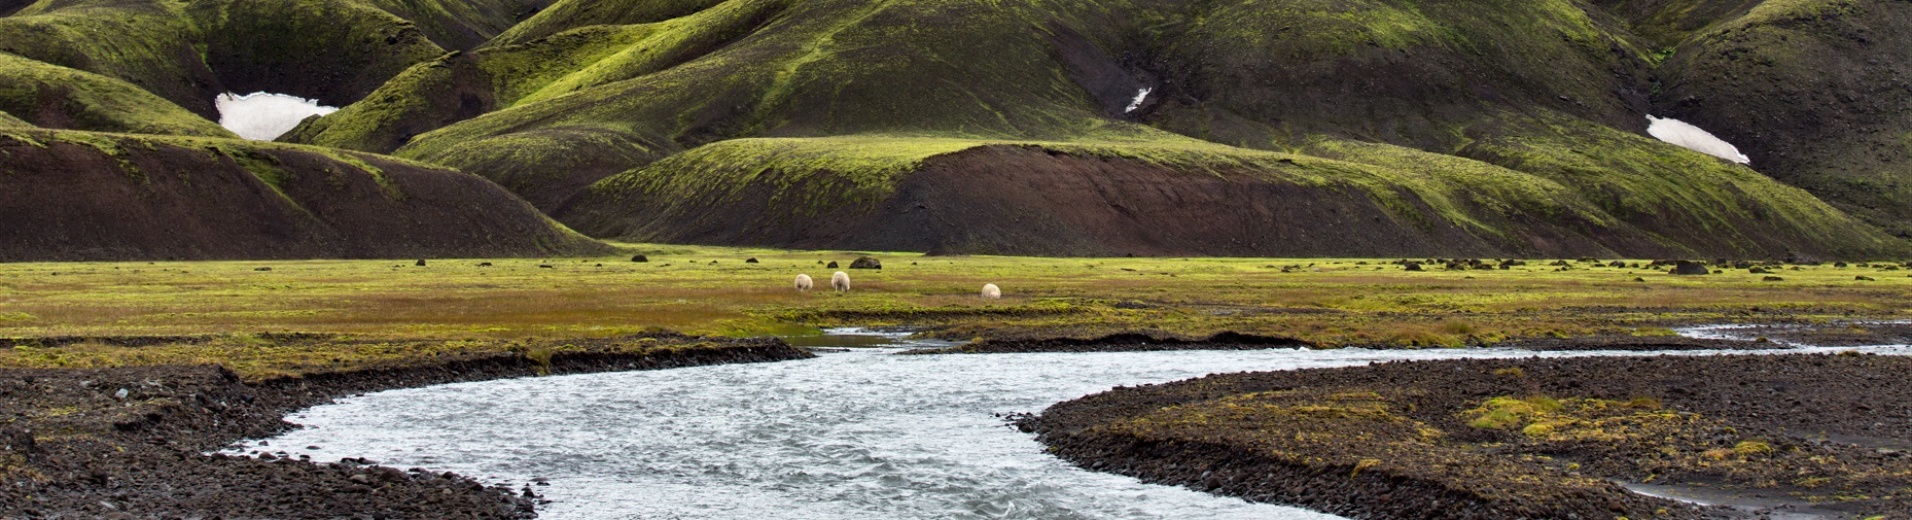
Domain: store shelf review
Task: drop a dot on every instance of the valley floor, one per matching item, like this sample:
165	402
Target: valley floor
120	375
720	292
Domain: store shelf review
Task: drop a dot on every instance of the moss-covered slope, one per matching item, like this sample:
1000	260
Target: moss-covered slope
336	51
51	96
1168	196
94	196
1815	92
462	24
1483	127
8	121
1487	126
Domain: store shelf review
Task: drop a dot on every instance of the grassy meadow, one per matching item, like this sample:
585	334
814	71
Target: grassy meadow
715	291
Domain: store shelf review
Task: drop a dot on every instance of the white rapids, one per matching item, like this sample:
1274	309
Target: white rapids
860	434
261	116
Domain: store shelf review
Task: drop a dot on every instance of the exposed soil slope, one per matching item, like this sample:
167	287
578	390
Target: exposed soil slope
1515	438
88	196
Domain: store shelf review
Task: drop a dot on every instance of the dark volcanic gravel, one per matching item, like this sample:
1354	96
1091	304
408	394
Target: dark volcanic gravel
1786	426
1638	344
72	445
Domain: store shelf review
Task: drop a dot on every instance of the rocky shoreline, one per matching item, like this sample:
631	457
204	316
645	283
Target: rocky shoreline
131	442
1529	438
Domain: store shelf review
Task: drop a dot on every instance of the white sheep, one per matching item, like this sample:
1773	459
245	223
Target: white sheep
991	292
841	281
803	283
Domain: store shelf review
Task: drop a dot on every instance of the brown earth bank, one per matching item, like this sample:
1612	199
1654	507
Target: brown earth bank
73	446
1526	438
1021	200
94	197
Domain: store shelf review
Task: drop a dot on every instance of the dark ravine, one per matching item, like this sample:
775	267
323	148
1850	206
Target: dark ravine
1760	424
68	455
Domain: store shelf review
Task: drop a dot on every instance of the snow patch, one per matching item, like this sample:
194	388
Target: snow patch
262	116
1139	98
1690	137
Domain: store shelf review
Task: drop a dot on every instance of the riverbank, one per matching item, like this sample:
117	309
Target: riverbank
128	439
1535	438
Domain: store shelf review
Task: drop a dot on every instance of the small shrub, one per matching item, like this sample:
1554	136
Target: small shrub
1752	448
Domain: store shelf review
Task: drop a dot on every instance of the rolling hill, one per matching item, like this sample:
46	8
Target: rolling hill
1071	127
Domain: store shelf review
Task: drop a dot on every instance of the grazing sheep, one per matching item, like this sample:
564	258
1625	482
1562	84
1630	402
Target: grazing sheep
991	292
841	281
804	283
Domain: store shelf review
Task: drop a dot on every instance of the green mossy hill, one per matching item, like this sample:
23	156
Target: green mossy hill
51	96
148	43
1815	92
1171	196
1488	125
95	196
565	15
1269	73
462	24
336	51
1666	23
8	121
424	97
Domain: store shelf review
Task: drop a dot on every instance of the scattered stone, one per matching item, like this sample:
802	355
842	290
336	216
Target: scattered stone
866	262
421	263
262	269
1758	270
751	260
1774	279
547	266
833	265
1863	279
484	264
640	259
1412	266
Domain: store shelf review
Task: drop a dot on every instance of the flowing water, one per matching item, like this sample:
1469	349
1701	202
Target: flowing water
853	434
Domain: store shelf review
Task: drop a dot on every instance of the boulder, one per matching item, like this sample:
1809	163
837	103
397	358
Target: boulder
1685	268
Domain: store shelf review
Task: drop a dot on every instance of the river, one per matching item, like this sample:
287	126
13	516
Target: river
852	434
